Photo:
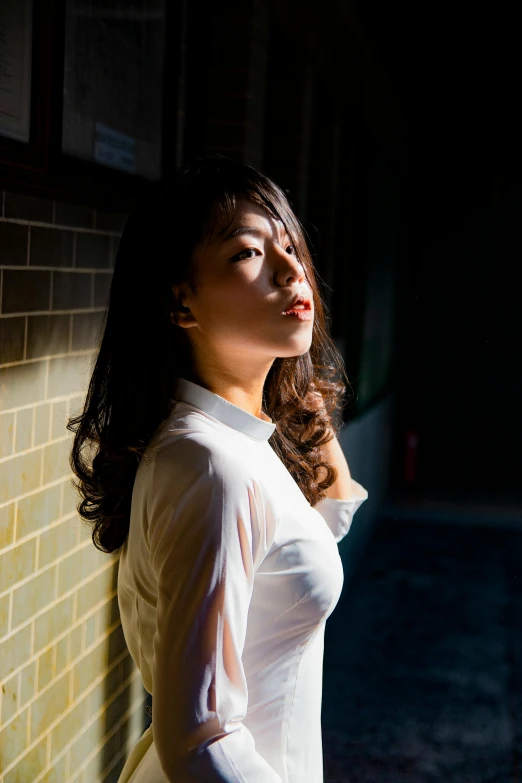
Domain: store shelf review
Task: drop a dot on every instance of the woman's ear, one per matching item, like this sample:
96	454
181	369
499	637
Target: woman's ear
177	296
174	314
179	310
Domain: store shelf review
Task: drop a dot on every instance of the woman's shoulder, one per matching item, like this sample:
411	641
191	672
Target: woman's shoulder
189	455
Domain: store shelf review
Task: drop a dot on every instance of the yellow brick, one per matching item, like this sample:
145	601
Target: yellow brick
114	611
109	613
71	725
19	475
118	707
68	374
52	623
102	692
93	592
76	404
75	643
27	683
128	667
127	729
7	517
9	698
98	696
49	705
46	668
59	420
117	643
37	511
24	429
22	384
114	573
34	595
15	650
99	765
90	630
56	542
71	498
16	564
88	668
29	766
4	615
41	424
78	778
124	745
85	530
97	558
56	773
13	739
85	744
71	570
56	461
61	653
101	620
6	434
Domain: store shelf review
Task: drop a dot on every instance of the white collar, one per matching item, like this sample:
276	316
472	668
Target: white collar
223	410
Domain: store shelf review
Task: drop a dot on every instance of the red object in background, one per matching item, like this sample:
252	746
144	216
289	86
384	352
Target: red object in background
412	454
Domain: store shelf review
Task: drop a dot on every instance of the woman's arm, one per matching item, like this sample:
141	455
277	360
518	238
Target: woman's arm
344	496
206	534
332	452
341	489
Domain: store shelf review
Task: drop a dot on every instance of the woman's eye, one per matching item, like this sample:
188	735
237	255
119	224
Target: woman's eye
240	256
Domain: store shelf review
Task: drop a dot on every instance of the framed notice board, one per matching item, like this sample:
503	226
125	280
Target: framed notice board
88	93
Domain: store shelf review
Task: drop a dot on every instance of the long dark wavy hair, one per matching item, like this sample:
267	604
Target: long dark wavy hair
142	351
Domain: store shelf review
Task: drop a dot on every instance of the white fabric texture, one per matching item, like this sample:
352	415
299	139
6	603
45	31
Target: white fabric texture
225	582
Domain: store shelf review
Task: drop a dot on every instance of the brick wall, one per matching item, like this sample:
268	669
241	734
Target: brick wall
71	701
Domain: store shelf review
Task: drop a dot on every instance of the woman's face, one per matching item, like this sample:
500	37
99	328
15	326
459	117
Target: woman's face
245	283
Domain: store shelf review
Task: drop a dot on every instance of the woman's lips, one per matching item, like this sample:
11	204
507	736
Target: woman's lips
305	314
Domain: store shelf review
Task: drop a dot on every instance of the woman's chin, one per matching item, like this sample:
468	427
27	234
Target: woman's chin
295	347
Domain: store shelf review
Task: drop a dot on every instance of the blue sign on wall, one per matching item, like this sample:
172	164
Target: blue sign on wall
115	149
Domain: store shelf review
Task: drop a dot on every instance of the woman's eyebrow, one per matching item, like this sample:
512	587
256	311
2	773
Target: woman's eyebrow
244	229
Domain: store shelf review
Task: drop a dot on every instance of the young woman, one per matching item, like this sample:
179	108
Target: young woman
213	466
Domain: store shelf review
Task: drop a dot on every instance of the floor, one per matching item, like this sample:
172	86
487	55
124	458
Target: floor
423	657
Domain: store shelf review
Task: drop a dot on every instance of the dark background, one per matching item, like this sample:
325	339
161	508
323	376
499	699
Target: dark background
456	68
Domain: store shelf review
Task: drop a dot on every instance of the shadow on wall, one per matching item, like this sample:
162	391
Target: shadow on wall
366	443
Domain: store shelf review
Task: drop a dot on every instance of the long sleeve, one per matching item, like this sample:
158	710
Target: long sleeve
339	513
206	538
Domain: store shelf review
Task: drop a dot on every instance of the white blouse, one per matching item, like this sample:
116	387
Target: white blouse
225	583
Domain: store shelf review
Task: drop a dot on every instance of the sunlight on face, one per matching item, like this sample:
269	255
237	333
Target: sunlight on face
246	281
